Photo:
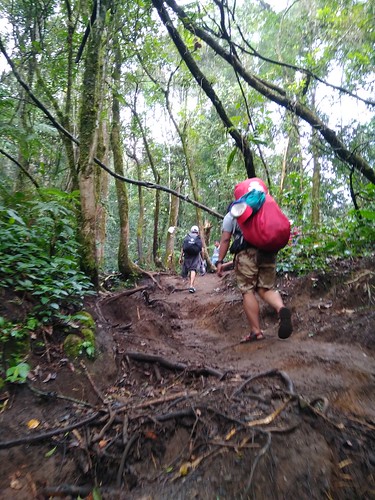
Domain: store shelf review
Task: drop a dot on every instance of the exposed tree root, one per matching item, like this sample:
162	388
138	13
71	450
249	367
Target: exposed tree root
272	373
121	435
46	435
151	358
125	293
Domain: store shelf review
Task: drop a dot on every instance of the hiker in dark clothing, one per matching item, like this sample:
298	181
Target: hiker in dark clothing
191	256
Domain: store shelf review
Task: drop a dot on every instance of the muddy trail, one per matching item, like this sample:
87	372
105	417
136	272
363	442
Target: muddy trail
175	407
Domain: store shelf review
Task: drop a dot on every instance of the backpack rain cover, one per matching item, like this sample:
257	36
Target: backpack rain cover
268	229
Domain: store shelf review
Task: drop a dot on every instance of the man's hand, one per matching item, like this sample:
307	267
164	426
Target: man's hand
224	245
219	267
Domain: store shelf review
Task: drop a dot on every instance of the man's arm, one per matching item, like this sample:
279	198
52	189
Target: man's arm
224	245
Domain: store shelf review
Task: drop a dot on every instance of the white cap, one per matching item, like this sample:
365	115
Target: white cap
194	229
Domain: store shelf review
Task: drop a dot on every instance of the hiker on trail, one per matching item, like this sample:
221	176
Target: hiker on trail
255	268
215	254
190	257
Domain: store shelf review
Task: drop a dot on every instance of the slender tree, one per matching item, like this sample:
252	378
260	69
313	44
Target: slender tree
89	107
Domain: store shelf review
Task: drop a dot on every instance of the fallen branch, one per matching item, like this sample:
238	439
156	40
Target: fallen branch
187	412
165	399
269	418
112	416
128	446
65	490
54	395
46	435
257	458
151	358
150	275
124	293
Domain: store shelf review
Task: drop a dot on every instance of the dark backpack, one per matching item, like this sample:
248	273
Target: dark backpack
192	244
239	242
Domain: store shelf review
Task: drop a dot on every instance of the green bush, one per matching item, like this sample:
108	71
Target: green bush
352	236
39	260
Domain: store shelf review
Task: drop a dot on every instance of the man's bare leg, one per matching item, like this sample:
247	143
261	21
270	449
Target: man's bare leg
192	278
251	308
272	297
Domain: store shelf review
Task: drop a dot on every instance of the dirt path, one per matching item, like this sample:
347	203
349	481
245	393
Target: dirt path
187	422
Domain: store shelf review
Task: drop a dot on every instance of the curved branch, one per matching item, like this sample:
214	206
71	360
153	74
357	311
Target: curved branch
266	90
10	157
271	373
307	72
240	140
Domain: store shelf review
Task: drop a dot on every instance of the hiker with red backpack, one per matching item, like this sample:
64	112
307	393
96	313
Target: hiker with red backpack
259	229
191	258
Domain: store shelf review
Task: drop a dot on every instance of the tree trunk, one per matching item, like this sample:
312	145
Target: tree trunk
169	260
315	192
141	214
155	241
102	181
24	124
88	144
125	265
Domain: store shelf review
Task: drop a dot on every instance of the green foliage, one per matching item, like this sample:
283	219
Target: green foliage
39	255
14	339
17	374
351	236
73	345
89	348
81	335
39	260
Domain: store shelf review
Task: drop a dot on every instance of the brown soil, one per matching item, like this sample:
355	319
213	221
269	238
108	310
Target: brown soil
180	409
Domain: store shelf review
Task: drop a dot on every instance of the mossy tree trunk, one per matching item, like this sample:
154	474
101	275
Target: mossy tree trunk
102	182
89	106
141	214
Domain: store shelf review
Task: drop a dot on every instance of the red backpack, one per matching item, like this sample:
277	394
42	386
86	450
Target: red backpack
268	229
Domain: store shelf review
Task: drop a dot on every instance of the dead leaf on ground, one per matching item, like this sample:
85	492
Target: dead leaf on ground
33	423
16	484
50	376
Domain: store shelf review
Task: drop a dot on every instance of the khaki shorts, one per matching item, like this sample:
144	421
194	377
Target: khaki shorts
255	269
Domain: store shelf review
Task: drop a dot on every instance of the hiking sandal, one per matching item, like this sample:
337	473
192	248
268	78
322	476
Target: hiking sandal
252	337
285	326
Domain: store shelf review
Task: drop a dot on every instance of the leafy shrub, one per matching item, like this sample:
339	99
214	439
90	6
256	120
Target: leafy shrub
17	373
351	236
39	259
